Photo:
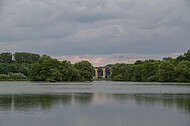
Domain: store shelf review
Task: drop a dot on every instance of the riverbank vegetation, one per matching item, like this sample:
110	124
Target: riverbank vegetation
13	77
20	62
49	69
167	70
29	66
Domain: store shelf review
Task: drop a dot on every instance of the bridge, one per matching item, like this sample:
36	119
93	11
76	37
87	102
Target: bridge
105	71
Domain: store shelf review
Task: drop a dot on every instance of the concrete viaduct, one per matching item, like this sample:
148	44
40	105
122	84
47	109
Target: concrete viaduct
105	70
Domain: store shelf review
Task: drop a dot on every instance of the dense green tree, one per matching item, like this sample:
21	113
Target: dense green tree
6	57
129	73
13	76
48	69
183	71
167	58
75	74
23	68
166	72
137	73
17	76
23	57
153	78
44	56
118	69
69	72
187	55
142	71
109	65
180	58
86	70
7	68
149	68
118	77
55	75
42	70
138	62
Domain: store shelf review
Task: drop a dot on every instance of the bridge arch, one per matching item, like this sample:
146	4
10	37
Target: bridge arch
101	72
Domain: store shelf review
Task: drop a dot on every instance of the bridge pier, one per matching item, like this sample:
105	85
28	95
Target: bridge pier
104	73
98	72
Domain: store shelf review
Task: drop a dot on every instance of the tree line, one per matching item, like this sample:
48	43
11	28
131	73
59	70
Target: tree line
19	57
22	65
49	69
166	70
19	62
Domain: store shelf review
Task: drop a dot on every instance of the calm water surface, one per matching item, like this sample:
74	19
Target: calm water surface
100	103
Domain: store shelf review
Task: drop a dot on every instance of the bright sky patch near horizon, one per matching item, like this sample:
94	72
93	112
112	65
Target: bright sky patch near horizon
101	31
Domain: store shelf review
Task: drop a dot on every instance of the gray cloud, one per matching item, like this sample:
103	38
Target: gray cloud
72	27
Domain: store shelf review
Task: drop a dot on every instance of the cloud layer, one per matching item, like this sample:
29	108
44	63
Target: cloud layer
73	27
102	60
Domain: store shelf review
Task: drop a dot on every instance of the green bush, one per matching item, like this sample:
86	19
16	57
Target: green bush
13	76
4	77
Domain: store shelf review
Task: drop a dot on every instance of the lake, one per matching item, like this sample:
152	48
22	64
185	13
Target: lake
98	103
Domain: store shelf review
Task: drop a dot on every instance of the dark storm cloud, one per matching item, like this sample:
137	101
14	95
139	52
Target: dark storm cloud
69	27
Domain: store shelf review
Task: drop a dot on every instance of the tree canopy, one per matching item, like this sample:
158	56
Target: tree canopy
6	57
49	69
167	70
85	69
23	57
44	68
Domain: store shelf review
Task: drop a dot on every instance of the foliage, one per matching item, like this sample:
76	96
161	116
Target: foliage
16	76
118	78
180	58
167	70
138	62
4	77
13	76
118	69
149	69
21	63
42	70
137	73
85	69
187	55
109	65
167	58
6	68
45	68
49	69
23	57
6	57
183	71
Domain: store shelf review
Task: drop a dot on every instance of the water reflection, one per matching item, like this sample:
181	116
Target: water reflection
181	101
42	101
48	101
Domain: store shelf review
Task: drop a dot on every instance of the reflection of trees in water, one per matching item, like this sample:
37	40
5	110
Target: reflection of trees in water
83	98
5	102
181	101
27	102
48	101
43	101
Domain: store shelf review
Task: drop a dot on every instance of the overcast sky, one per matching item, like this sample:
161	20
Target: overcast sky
101	31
